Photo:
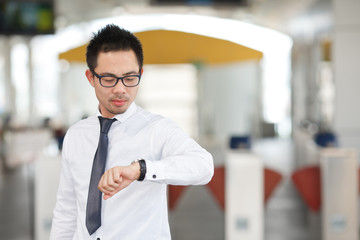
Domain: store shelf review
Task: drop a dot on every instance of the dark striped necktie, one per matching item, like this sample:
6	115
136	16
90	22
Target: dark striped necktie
93	208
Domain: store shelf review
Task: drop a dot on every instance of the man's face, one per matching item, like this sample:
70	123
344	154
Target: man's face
117	99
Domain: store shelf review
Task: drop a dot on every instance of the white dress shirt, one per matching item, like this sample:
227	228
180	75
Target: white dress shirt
140	210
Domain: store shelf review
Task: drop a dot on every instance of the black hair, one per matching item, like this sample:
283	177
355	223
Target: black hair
112	38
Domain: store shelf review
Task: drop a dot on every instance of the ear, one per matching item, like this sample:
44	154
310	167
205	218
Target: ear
90	77
141	72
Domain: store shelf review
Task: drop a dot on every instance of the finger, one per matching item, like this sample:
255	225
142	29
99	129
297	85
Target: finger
117	176
107	196
111	184
103	185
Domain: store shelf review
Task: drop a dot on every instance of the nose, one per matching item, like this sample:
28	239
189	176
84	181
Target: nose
119	88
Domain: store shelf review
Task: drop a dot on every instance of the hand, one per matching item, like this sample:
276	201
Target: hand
118	178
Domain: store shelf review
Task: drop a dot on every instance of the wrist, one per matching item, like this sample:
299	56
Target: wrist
135	165
140	165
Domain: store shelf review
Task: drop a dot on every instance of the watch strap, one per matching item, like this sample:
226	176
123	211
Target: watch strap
142	164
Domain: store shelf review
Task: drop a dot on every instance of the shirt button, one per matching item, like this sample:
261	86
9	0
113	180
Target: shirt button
154	176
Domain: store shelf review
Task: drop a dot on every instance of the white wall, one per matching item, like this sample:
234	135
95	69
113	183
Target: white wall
346	52
171	90
78	96
230	100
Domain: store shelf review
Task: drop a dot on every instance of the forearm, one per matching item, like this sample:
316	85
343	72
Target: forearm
63	226
191	168
64	220
65	212
179	159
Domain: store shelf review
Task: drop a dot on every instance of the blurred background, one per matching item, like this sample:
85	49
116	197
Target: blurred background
267	86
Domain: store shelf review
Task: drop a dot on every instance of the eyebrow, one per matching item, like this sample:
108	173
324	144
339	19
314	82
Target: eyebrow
125	74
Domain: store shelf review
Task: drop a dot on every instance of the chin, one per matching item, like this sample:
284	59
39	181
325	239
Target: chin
119	110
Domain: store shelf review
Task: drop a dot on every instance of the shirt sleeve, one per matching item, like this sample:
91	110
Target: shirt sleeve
65	213
183	161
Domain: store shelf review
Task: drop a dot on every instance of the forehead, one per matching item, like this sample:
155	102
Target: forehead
121	57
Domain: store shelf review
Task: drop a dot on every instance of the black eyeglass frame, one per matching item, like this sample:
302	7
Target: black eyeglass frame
117	79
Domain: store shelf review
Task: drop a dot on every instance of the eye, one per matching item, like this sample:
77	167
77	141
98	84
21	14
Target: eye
108	79
130	78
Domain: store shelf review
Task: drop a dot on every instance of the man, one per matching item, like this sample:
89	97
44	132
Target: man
132	203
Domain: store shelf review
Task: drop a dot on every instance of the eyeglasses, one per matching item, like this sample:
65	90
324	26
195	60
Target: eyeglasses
111	81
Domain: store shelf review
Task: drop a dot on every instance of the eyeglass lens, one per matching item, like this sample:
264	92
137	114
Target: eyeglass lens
130	81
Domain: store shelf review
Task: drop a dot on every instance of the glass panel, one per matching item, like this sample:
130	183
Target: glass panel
20	79
171	90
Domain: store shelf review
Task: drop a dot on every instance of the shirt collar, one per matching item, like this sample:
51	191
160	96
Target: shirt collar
123	116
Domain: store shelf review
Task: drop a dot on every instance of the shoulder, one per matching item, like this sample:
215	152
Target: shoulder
157	121
147	116
86	124
145	119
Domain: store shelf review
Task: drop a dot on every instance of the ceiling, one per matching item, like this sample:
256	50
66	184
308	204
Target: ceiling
287	16
190	48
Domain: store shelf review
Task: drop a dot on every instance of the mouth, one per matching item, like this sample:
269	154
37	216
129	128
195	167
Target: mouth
118	102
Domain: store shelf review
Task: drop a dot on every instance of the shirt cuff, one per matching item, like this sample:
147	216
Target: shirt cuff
154	171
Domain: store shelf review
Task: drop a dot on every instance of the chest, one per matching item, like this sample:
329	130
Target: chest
123	147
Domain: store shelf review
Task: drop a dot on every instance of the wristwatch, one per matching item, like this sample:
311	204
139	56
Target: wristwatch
142	164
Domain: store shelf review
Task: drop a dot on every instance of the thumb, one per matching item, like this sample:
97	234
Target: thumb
107	196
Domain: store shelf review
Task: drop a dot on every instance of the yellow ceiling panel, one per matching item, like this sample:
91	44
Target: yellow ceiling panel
162	46
173	47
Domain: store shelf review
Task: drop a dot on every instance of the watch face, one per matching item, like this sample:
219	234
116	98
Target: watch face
136	160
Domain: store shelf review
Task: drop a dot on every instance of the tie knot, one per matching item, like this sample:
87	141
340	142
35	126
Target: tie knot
105	124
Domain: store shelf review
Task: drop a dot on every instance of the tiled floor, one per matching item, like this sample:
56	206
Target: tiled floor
15	211
196	216
286	216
